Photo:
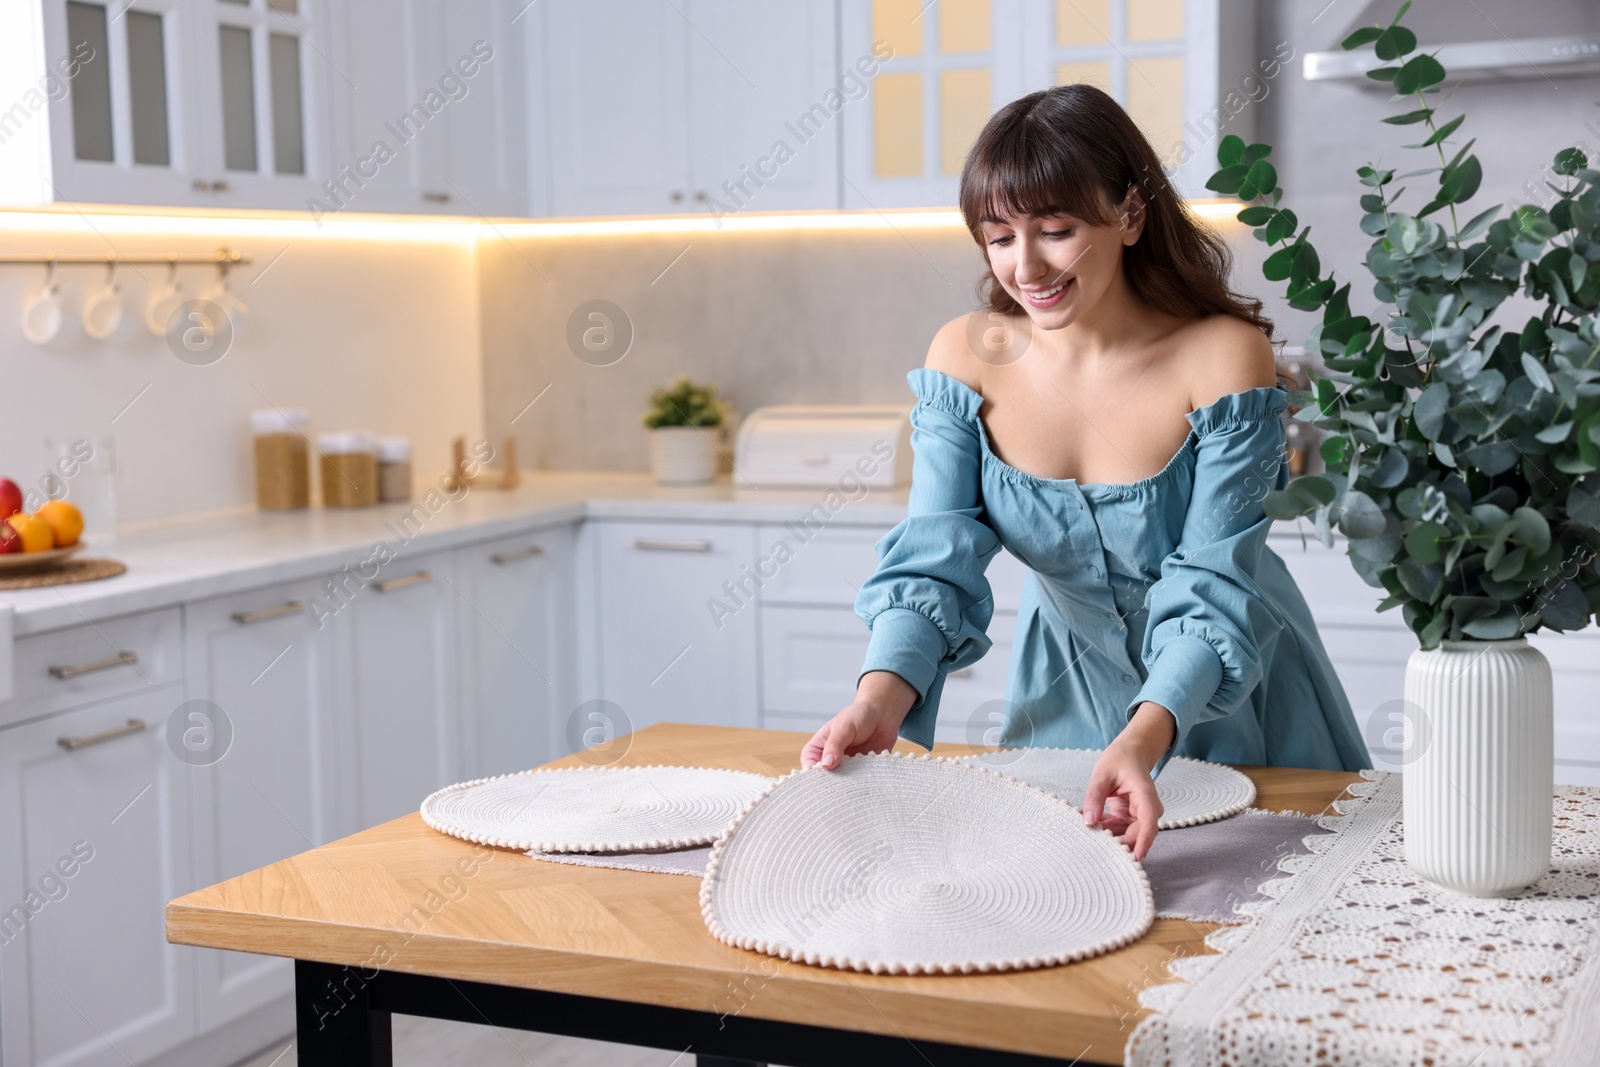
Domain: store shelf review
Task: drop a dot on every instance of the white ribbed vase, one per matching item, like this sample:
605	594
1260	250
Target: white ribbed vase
1479	772
684	455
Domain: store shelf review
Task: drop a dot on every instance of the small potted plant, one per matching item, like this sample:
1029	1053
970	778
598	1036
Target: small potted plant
685	421
1462	458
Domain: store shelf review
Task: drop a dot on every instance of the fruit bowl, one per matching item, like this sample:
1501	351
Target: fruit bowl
12	562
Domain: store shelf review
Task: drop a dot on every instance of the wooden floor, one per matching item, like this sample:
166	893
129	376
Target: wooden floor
436	1043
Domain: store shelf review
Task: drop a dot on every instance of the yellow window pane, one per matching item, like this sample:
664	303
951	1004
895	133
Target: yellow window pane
1081	22
1155	101
898	22
1155	20
963	109
963	25
1095	72
897	125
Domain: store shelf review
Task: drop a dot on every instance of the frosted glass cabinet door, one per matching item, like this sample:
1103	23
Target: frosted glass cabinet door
124	117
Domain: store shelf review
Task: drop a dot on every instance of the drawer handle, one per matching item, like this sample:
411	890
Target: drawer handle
121	659
245	618
503	558
660	544
71	744
400	583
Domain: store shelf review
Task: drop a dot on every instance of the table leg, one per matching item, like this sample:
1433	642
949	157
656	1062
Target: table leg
335	1022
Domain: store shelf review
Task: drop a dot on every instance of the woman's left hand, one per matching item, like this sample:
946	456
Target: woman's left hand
1122	796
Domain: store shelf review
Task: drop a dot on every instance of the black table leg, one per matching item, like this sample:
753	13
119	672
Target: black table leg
335	1022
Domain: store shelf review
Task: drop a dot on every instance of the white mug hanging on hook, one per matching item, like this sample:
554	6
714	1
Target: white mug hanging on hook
163	302
102	309
41	313
221	295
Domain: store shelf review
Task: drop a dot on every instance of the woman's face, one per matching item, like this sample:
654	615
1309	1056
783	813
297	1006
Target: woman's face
1057	266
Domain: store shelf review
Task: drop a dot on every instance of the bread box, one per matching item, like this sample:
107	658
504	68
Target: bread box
820	445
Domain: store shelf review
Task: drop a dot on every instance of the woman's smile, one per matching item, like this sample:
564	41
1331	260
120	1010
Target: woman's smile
1048	298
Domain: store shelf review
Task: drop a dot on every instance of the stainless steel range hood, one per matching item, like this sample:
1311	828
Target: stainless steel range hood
1480	40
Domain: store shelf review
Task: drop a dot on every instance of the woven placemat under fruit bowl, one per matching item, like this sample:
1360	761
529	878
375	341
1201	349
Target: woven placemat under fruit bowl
61	572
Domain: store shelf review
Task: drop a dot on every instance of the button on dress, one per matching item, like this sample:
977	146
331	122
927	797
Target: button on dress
1162	589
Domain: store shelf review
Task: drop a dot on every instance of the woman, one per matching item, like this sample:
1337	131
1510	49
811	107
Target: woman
1114	420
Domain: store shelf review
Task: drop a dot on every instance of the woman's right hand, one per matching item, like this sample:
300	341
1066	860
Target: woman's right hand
870	724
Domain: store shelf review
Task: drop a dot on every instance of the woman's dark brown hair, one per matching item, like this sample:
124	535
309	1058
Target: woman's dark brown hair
1073	149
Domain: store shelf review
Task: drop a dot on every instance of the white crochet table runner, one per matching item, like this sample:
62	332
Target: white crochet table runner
1353	959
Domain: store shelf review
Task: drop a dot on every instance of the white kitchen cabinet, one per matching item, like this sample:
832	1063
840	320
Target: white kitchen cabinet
811	658
432	116
194	103
93	843
396	669
658	106
266	670
677	638
515	610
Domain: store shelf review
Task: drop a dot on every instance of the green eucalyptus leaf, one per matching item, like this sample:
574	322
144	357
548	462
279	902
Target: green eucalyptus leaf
1442	132
1532	531
1422	541
1394	42
1418	73
1392	469
1360	516
1510	565
1430	408
1285	506
1365	35
1498	627
1564	607
1554	435
1422	580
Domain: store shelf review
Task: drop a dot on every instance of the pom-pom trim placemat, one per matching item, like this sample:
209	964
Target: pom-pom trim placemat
1192	791
911	865
594	809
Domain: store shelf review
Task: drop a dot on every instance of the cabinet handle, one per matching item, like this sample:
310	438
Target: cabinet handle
436	198
700	196
521	553
677	196
219	186
121	659
245	618
200	185
664	545
72	743
400	583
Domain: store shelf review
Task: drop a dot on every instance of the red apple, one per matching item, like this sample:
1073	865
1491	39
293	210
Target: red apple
9	541
10	498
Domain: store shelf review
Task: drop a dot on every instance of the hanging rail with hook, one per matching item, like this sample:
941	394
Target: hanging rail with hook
225	257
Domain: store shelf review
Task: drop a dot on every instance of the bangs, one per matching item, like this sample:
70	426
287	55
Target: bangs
1027	168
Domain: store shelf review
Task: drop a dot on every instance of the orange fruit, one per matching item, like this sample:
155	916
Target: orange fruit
35	532
64	519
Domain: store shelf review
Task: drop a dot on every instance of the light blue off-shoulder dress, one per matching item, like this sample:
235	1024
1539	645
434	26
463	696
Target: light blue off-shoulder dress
1162	589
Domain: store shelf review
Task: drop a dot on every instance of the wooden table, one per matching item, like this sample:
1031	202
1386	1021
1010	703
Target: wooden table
400	918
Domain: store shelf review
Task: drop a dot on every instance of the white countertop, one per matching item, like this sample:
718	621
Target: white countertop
189	559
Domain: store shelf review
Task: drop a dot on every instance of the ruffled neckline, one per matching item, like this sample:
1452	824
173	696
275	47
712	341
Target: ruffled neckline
1255	404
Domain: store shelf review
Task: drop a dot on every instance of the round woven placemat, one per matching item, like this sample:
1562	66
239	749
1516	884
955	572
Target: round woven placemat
1192	791
594	809
66	572
909	865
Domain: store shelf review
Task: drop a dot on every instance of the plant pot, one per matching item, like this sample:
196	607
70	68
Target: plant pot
1479	766
684	455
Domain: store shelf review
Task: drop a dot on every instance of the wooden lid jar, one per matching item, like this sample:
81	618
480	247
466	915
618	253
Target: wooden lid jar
349	469
283	470
394	468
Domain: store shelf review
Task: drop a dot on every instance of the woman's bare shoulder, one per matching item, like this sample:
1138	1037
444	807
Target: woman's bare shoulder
951	351
1226	355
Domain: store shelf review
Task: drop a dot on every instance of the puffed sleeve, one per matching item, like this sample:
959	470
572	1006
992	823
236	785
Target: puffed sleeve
928	603
1208	622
